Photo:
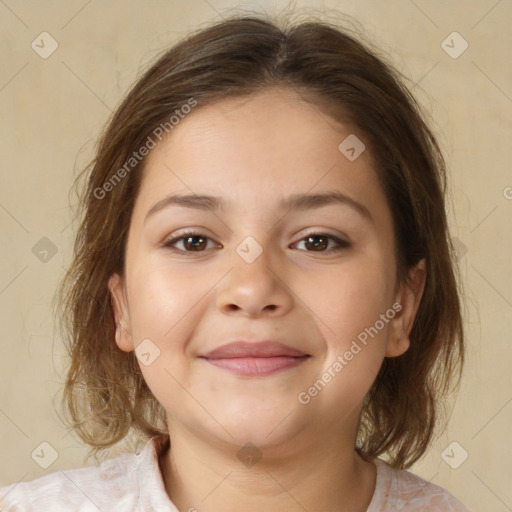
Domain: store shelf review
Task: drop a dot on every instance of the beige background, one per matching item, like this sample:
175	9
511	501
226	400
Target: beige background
53	110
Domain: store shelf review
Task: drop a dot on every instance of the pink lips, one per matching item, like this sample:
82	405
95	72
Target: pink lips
253	359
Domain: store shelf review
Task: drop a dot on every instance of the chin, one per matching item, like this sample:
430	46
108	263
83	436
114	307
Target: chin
263	429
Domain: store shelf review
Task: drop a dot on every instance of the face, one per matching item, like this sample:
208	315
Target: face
316	278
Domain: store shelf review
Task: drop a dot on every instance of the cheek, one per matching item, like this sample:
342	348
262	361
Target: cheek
165	305
349	310
346	298
348	304
162	311
160	298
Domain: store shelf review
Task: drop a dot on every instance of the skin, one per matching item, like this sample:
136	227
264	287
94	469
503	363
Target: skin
253	152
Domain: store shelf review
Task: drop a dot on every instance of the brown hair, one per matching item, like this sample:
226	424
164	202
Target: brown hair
105	393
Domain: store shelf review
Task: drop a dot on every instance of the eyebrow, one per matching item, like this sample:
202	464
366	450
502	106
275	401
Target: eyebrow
295	202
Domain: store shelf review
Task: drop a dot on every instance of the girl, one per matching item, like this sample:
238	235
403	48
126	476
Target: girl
263	285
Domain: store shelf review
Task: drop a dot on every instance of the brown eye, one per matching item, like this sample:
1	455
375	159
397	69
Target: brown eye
314	242
318	242
192	242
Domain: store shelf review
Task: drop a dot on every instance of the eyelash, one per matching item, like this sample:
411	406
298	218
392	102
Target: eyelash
342	244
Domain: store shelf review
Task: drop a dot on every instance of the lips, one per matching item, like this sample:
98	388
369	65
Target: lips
253	359
267	348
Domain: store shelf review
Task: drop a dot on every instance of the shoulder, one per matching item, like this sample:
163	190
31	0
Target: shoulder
401	490
88	488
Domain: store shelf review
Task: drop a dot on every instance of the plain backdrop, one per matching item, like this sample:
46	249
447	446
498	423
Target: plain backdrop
52	111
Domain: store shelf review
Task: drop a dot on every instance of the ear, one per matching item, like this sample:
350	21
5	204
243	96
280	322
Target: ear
409	297
121	314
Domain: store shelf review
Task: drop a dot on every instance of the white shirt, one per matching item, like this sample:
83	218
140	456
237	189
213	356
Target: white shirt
133	483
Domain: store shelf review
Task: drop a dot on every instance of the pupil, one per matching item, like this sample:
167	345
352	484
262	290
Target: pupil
194	245
316	245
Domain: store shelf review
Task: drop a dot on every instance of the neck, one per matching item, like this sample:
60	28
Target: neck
325	474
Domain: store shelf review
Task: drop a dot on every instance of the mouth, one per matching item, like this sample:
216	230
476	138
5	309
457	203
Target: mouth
255	359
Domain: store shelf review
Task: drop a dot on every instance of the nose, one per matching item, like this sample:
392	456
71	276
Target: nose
255	289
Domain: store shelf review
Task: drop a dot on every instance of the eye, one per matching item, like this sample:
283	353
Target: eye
197	242
319	241
192	240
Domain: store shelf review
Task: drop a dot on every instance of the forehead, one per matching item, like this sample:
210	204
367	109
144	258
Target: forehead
273	143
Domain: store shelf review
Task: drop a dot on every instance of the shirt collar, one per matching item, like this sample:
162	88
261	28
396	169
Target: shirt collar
153	495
